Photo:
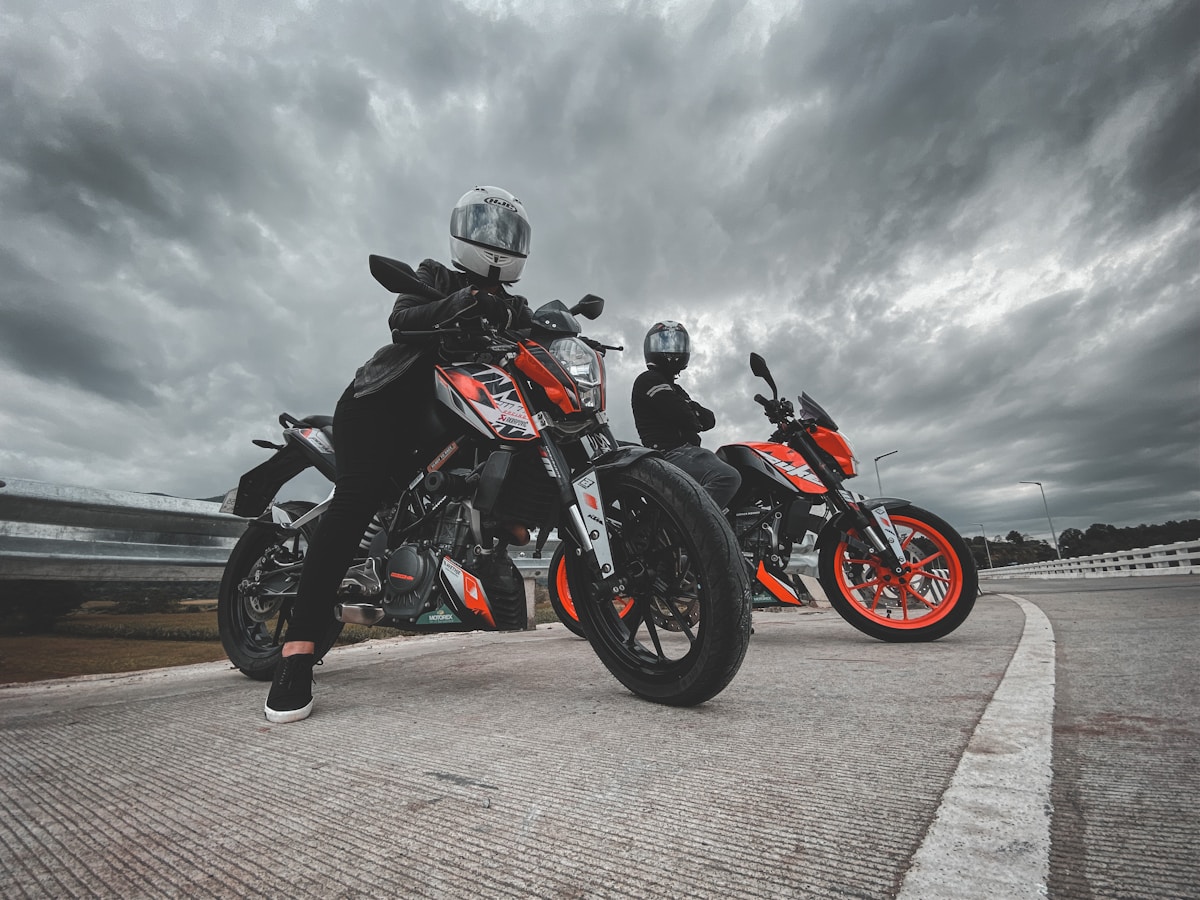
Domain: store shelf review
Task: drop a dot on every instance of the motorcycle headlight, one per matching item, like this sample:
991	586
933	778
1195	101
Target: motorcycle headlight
585	367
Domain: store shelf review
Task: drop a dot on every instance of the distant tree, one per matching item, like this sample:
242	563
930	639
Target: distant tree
1102	538
980	552
1071	542
1015	537
1041	551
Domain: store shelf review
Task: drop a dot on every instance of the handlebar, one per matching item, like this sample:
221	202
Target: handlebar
598	346
776	411
418	337
489	338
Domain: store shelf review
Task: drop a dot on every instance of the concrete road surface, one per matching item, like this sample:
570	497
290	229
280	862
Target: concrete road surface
1048	747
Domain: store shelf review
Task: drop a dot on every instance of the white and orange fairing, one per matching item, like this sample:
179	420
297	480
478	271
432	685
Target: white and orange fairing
467	588
488	399
789	464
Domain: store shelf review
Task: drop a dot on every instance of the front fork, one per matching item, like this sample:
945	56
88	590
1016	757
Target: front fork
581	498
870	518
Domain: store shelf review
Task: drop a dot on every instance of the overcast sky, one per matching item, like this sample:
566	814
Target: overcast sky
971	230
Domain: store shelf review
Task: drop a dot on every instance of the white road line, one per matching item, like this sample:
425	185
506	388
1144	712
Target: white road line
991	835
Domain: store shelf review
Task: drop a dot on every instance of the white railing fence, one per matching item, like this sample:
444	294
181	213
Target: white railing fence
1181	558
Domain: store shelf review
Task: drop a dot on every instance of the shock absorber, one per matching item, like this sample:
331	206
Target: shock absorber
376	525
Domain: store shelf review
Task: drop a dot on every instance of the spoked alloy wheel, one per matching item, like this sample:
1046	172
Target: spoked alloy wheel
932	597
677	631
252	612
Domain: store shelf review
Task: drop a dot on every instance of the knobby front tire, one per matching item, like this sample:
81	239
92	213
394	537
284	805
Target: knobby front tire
932	598
678	631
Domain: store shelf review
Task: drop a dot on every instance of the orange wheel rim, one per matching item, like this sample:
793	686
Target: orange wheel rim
564	590
925	593
623	604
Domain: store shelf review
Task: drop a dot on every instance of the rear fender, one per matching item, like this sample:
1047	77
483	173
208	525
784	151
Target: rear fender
258	487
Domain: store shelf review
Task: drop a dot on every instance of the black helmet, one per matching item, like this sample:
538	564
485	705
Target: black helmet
667	347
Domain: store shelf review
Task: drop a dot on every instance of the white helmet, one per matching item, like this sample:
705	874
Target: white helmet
489	234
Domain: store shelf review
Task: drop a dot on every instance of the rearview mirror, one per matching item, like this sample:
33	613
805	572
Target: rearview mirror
758	366
589	307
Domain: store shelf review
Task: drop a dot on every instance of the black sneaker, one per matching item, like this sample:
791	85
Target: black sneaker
291	697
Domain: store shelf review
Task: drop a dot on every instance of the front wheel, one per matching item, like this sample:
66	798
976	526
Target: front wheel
676	629
257	591
931	598
559	589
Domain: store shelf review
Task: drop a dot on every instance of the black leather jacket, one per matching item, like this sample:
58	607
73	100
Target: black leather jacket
413	312
665	416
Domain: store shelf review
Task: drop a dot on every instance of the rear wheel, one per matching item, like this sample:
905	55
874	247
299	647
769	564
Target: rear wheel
931	598
257	591
676	629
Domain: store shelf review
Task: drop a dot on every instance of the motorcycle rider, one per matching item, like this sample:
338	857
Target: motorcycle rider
373	421
670	421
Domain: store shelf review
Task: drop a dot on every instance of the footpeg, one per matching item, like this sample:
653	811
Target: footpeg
357	613
362	580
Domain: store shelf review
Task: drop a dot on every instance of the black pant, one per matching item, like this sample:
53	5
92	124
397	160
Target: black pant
371	434
718	478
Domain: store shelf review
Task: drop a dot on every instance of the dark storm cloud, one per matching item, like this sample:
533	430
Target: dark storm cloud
152	144
53	338
969	229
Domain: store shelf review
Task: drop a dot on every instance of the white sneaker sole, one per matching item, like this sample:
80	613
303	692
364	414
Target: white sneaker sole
288	715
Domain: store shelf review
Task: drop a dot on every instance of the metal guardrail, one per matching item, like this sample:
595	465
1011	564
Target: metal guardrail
1180	558
50	531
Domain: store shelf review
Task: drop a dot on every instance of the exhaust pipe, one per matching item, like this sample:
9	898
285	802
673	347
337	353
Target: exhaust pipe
357	613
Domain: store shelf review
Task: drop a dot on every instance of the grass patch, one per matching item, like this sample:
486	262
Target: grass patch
96	640
35	657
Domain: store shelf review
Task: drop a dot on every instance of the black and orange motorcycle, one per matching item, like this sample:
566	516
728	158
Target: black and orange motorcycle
891	569
519	437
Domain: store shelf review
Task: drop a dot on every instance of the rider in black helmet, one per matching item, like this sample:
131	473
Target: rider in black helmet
670	421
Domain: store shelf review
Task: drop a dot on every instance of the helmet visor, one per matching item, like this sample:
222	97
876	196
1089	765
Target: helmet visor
492	225
674	340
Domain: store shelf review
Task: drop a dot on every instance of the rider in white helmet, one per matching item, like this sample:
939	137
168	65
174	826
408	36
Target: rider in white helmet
489	234
374	423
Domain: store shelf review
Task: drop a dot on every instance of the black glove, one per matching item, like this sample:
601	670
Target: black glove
493	308
704	416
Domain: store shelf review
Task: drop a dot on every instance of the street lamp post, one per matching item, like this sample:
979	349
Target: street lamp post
877	459
1053	536
985	544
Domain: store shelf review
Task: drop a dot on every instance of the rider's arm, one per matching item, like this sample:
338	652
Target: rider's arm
705	419
704	416
670	404
413	312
